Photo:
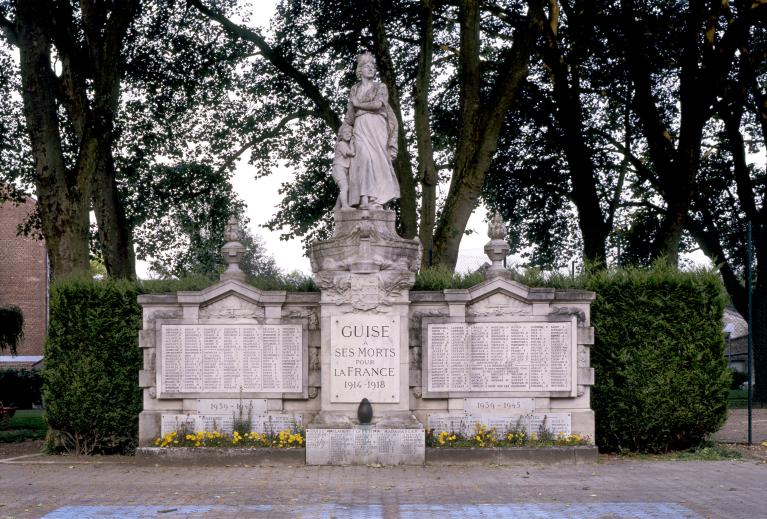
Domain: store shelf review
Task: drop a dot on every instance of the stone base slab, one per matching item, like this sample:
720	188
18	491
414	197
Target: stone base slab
391	439
298	457
219	456
513	456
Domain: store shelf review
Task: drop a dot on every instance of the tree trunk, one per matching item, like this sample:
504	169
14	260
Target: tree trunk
427	170
480	124
114	233
63	195
569	114
104	38
402	165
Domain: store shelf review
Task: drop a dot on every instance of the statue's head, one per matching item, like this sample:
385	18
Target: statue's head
364	59
345	132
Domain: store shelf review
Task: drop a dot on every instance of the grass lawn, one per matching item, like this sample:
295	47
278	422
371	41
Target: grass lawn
26	424
739	399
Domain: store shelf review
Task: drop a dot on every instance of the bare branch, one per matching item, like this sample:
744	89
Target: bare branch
279	61
270	134
640	167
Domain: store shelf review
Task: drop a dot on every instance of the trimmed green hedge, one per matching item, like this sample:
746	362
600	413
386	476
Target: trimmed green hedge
661	374
91	366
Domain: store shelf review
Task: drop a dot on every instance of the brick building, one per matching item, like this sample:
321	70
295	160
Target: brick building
23	282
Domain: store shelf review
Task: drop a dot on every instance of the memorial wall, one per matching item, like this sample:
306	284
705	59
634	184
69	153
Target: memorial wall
229	358
498	353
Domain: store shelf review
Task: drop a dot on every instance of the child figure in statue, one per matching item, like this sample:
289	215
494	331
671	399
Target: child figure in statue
344	151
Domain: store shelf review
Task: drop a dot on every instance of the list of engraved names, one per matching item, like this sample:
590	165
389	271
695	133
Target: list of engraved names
525	356
230	358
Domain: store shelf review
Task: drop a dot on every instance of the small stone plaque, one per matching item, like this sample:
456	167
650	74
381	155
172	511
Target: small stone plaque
270	423
556	423
365	445
448	422
177	422
505	406
530	423
364	358
231	406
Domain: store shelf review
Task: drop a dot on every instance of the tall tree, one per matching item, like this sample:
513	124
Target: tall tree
486	65
731	190
75	170
701	51
109	91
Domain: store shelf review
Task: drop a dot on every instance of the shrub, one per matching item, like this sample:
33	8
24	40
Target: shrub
738	378
185	284
11	328
292	282
661	374
441	278
20	388
92	364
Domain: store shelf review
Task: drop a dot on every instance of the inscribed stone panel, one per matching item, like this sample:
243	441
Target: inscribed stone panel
500	357
231	358
364	358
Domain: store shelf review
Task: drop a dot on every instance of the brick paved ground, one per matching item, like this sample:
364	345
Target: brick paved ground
68	487
71	487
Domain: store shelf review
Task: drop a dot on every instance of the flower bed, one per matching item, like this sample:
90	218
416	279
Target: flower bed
484	437
285	439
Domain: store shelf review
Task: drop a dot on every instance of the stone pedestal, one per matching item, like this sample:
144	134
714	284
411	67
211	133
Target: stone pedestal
365	272
334	438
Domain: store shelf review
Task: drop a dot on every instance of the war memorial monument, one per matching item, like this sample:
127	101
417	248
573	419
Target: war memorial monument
499	353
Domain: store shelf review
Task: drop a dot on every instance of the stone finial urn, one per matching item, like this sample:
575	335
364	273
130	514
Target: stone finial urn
233	251
497	248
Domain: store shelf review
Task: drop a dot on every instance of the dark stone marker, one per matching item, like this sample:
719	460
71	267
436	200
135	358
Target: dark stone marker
365	411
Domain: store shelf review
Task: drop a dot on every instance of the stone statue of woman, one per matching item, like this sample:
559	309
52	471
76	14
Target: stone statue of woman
372	181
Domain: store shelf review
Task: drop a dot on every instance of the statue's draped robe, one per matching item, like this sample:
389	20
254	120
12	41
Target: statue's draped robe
371	172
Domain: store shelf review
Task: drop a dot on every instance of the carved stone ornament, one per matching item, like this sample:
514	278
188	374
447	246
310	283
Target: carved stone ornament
152	392
314	321
497	248
569	310
314	359
365	294
231	307
496	229
313	392
499	305
418	391
233	251
365	242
